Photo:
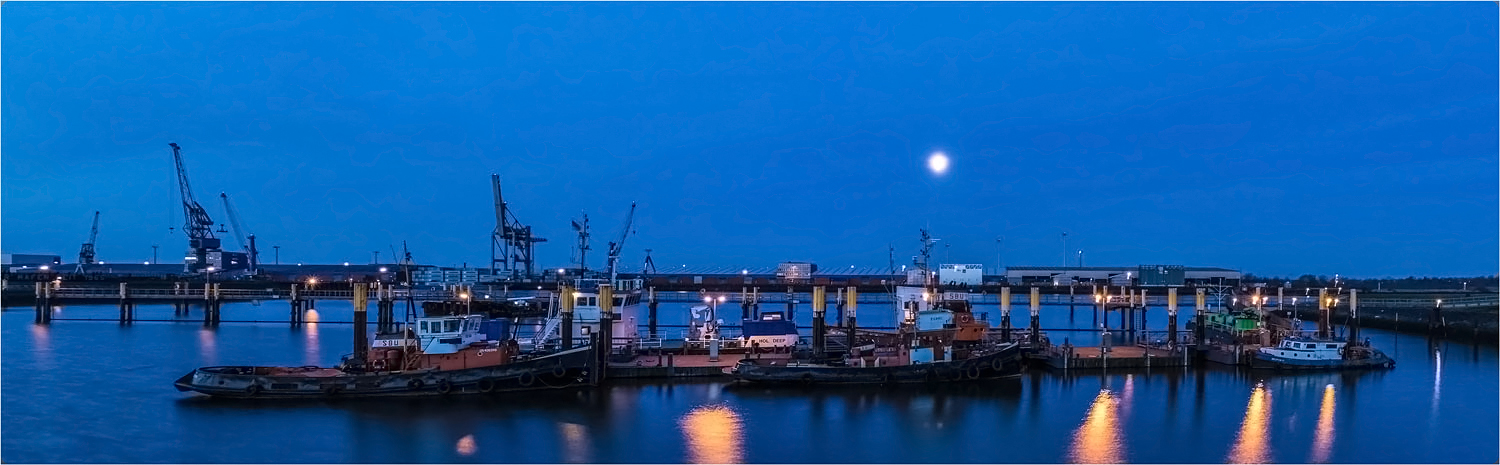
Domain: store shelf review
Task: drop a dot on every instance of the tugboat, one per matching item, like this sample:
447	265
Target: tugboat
1314	353
445	355
936	343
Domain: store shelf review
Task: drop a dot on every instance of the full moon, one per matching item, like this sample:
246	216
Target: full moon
938	163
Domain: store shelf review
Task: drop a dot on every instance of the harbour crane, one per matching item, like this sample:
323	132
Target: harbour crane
618	244
198	225
583	243
512	247
86	253
649	267
240	234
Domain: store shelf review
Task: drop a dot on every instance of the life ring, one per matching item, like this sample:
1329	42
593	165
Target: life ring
379	365
526	378
973	372
415	384
252	390
486	385
558	371
444	387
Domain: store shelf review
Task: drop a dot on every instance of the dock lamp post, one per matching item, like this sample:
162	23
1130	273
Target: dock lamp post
467	307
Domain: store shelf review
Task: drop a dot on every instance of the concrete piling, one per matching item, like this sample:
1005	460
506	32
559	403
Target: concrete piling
1325	313
606	328
1171	317
565	302
851	306
819	308
127	306
651	311
1005	314
1036	322
361	341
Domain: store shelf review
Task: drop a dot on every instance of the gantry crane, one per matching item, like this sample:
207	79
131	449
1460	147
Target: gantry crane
86	253
240	234
618	244
512	247
197	224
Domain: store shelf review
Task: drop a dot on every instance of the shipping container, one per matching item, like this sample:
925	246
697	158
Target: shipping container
1161	275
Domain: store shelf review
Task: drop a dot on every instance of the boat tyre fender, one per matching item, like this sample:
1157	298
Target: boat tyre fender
444	387
890	378
972	373
252	390
415	384
807	379
486	385
330	390
379	365
997	364
558	371
526	379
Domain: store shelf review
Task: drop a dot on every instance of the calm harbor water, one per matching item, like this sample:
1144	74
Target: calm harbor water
96	391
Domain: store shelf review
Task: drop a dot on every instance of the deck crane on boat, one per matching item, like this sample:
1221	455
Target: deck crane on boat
512	247
240	235
617	245
198	226
86	253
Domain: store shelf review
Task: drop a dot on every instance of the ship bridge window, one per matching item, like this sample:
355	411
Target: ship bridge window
586	302
1331	346
424	326
450	326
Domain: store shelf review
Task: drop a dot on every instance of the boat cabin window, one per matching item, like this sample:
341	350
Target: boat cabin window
450	326
1331	346
585	301
1297	345
424	326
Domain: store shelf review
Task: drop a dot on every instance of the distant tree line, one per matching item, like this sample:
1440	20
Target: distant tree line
1411	283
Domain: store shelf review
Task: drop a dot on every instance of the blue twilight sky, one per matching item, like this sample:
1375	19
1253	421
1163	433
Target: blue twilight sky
1277	138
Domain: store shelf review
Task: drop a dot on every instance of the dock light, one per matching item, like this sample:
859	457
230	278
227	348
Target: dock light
210	269
721	299
346	263
708	300
577	294
1098	298
1440	302
44	268
562	271
312	281
382	269
464	296
486	296
145	263
743	272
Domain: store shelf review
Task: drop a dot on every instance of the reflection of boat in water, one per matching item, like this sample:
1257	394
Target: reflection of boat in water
1311	353
448	355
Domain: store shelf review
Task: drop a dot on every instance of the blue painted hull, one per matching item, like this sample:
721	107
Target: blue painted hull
1271	362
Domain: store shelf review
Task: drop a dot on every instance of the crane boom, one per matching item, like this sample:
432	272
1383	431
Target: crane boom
512	245
617	245
240	234
86	253
197	224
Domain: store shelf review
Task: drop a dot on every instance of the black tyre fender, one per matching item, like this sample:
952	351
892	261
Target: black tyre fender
559	371
444	386
252	390
486	385
973	372
997	364
415	384
526	379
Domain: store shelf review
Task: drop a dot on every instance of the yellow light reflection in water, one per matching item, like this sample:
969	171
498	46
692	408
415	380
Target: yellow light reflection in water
313	354
466	446
576	438
41	339
1252	445
714	435
1098	439
1323	441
